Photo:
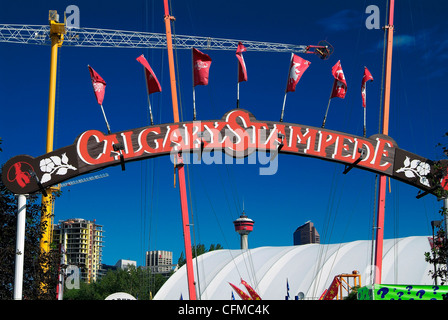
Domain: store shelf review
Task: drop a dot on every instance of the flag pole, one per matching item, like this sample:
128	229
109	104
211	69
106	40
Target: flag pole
238	86
105	119
150	111
328	106
194	104
20	246
116	147
364	122
194	93
283	108
238	94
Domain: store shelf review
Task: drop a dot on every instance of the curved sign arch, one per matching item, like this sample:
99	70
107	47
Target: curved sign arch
238	134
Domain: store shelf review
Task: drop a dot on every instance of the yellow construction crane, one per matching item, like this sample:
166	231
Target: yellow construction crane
57	32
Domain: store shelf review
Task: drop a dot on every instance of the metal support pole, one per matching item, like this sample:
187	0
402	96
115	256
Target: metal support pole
20	246
180	165
382	186
445	219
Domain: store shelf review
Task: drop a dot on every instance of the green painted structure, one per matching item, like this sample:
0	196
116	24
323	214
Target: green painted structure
402	292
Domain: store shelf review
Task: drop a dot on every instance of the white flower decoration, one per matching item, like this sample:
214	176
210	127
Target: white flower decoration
54	164
416	168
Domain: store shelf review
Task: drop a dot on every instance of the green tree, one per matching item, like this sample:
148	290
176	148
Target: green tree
138	282
438	256
33	274
197	251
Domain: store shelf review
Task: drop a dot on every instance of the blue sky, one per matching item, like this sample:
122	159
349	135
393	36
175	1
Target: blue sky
140	208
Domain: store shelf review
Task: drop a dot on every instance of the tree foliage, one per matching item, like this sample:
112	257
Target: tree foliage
33	274
197	251
438	256
138	282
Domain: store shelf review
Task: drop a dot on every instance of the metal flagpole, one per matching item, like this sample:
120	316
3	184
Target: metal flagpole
194	104
150	111
328	106
445	212
194	95
105	119
20	246
238	94
365	121
118	147
283	108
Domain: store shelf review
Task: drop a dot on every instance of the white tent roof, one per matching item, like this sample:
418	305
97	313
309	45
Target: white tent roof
309	269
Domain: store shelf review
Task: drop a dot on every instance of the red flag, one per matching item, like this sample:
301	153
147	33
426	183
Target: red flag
99	85
240	292
333	290
201	67
366	77
152	83
251	291
339	85
242	72
296	69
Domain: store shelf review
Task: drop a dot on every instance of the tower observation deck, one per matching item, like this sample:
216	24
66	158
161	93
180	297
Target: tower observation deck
244	226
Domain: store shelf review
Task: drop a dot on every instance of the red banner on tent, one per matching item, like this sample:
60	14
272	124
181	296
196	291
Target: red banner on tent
201	67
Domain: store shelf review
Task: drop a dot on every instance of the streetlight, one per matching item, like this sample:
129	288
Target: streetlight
434	224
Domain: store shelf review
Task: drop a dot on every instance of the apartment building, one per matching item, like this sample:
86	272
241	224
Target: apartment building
82	241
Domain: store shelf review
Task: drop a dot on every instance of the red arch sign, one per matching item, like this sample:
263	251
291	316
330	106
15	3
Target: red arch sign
238	133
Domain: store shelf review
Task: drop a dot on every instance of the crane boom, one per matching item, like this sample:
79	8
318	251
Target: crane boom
92	37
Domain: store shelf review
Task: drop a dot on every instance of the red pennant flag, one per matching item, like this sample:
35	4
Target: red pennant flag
201	67
251	291
240	292
366	77
339	85
152	83
296	69
242	72
99	85
333	290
